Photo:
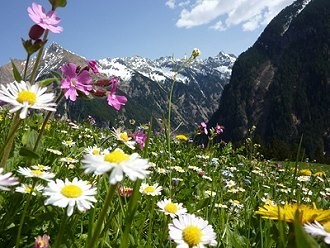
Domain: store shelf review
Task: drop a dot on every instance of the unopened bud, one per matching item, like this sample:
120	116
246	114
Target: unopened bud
35	32
99	93
103	82
195	53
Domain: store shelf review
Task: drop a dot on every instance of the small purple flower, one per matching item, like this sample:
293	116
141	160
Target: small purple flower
113	100
93	66
47	21
7	180
219	129
203	127
140	138
74	81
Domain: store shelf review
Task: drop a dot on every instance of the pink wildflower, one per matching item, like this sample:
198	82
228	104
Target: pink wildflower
45	20
92	65
219	129
113	100
140	138
41	241
7	180
203	127
75	81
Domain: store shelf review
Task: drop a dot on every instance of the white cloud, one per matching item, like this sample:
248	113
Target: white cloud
170	4
223	14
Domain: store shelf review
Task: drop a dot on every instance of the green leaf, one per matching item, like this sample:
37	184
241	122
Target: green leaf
26	152
46	81
16	73
58	3
303	240
29	138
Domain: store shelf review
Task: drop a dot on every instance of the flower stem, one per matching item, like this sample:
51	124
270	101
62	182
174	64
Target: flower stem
59	238
36	64
20	227
45	123
5	151
93	241
132	205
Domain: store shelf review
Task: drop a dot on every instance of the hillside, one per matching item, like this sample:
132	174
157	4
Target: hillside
281	85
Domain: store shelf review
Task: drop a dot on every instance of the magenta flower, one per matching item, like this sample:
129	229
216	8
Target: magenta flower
140	138
203	127
45	20
219	129
7	180
74	81
41	241
92	65
113	100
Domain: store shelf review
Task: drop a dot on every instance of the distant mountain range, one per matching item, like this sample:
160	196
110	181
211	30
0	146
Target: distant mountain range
146	84
281	85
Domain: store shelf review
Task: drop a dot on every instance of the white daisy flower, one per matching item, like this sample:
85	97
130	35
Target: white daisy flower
7	180
27	188
68	194
123	136
57	152
27	172
69	160
40	167
152	190
210	193
68	143
189	230
93	150
117	163
316	229
23	96
170	208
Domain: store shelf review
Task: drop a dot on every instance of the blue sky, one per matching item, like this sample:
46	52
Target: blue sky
149	28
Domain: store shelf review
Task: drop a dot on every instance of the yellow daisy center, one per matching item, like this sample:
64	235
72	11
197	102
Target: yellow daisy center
327	227
171	208
192	235
117	156
149	189
71	191
37	173
124	136
27	96
28	189
96	152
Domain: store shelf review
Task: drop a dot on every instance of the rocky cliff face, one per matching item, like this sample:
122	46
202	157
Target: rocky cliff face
281	85
146	84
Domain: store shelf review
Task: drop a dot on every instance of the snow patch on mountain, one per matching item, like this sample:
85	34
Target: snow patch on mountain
286	26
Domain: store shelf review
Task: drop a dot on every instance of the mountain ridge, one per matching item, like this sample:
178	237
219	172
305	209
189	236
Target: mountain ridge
146	83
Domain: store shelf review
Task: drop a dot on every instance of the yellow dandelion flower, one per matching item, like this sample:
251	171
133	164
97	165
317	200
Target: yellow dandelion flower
182	137
287	213
305	172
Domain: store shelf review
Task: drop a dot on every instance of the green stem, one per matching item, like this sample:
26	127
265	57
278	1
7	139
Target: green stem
26	66
20	227
45	123
132	206
59	237
7	146
93	241
36	64
150	222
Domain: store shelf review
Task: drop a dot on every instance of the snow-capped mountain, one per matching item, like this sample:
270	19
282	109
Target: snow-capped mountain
146	83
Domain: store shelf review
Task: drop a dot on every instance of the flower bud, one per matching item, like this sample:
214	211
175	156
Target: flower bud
35	32
99	93
103	82
195	53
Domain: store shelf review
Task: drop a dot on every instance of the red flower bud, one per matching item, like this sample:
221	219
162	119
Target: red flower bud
103	82
99	93
35	32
